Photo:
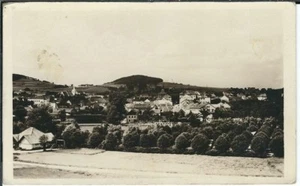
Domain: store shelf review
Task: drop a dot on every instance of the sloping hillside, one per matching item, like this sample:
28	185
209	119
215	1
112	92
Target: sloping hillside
22	82
138	79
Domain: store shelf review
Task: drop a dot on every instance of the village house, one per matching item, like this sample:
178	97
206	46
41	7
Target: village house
164	95
38	100
132	116
30	139
192	94
224	99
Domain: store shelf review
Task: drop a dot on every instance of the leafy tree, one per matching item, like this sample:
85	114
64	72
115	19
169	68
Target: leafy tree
110	142
259	145
147	140
40	119
43	140
20	112
74	138
222	144
200	143
208	131
94	140
62	115
194	122
18	127
277	146
116	111
181	142
239	144
132	139
164	141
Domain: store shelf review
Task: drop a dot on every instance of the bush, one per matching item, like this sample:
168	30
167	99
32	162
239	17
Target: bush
252	128
74	138
277	132
248	135
147	140
200	143
230	135
131	140
239	144
110	142
266	129
216	134
277	146
262	135
94	140
208	131
239	129
181	142
222	144
259	145
164	141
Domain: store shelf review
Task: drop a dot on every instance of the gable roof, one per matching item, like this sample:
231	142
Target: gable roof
32	135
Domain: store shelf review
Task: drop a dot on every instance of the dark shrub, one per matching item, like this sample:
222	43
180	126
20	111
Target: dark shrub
262	135
94	140
266	129
239	129
145	131
212	152
252	128
167	129
239	144
110	142
230	135
131	140
277	132
277	146
181	142
187	135
164	141
159	132
248	135
222	144
208	131
101	130
259	145
74	138
118	135
175	134
200	143
145	140
216	134
225	127
153	140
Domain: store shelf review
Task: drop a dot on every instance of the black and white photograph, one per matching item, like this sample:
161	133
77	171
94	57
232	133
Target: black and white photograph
149	93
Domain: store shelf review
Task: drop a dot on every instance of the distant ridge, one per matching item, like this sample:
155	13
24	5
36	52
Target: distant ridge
22	81
138	79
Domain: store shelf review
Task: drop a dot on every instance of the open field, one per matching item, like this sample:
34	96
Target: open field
87	163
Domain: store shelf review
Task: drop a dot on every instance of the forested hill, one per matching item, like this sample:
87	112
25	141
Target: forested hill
138	79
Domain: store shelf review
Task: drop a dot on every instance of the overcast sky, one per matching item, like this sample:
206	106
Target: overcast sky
185	44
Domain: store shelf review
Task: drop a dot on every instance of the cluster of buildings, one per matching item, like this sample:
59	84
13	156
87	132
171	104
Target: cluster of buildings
190	102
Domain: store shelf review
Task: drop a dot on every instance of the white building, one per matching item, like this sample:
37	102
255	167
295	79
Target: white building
30	138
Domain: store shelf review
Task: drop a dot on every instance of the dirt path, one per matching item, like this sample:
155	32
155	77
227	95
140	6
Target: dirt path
186	168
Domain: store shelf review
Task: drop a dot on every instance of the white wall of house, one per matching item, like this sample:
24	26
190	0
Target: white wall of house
24	144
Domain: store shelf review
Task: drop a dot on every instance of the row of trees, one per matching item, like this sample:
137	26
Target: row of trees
223	137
